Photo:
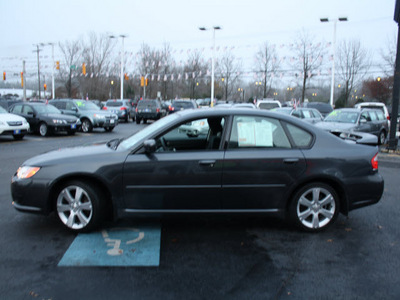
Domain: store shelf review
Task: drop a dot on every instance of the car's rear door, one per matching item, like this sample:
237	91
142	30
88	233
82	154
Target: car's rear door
260	164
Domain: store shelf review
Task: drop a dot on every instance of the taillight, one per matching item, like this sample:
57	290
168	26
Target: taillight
374	162
122	108
158	110
388	117
136	109
104	108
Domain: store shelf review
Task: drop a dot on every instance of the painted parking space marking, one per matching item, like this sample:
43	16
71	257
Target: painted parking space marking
117	247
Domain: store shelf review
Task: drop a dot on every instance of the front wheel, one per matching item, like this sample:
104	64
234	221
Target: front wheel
79	206
314	207
87	126
43	129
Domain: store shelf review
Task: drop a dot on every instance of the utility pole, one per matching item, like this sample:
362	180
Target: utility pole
23	78
38	64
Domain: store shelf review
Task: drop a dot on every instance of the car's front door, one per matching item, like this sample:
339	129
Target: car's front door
260	164
183	174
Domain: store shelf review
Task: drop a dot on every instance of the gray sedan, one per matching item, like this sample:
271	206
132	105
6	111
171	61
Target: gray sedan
249	162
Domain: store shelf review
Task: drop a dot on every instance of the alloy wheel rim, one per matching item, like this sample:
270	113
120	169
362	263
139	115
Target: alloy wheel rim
316	207
43	130
74	207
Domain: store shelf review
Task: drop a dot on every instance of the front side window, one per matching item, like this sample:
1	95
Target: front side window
257	132
198	134
17	109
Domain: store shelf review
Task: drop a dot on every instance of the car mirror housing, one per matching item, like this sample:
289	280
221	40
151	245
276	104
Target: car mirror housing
149	146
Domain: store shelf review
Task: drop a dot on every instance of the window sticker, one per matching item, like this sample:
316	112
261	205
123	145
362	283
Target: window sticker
254	134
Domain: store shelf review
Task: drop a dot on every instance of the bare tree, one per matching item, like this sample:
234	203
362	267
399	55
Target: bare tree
229	70
389	57
308	58
267	63
97	56
194	69
72	53
353	62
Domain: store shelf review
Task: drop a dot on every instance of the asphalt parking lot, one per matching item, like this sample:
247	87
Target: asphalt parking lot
213	257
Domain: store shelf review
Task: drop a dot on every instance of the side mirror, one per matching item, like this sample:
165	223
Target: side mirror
362	121
30	113
149	146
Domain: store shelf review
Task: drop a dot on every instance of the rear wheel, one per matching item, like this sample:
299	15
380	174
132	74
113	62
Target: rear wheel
382	137
80	206
314	207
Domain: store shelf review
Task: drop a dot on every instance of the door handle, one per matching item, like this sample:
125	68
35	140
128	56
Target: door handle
210	163
291	160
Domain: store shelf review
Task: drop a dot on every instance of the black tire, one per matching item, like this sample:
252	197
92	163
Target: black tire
137	120
127	118
144	121
43	129
314	207
79	206
108	129
87	126
18	137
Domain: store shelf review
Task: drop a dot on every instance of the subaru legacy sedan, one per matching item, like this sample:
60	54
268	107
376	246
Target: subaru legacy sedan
249	161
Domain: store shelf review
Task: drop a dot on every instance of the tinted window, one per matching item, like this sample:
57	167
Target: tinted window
147	103
300	137
27	109
373	116
257	132
114	103
17	109
380	115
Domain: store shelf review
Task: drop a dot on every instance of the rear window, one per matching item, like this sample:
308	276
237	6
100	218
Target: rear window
146	103
183	104
270	105
114	103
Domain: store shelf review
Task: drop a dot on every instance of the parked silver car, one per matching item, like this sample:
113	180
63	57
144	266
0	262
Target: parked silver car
370	121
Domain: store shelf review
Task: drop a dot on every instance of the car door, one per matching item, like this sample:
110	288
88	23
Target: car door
366	124
183	174
31	116
260	164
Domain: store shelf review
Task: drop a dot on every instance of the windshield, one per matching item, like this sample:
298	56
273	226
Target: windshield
182	104
341	116
268	105
147	104
139	136
47	109
86	105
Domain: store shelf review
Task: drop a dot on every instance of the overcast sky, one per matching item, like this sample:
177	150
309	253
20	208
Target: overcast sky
246	24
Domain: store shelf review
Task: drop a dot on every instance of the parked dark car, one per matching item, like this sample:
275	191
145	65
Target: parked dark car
370	121
324	108
46	119
149	110
249	161
310	115
177	105
7	103
122	108
89	113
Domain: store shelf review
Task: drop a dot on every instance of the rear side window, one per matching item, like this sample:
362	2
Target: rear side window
300	137
257	132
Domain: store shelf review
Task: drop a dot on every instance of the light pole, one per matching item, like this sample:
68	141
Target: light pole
212	60
122	36
340	19
53	89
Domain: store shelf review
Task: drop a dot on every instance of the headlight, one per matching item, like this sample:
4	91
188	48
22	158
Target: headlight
56	121
27	172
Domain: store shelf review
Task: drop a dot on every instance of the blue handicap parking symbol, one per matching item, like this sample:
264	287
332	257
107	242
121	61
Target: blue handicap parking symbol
119	246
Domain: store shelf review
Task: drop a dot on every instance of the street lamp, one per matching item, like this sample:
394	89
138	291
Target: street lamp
324	20
122	36
212	60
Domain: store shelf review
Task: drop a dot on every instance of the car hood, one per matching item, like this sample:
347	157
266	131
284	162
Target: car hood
11	117
69	155
61	117
335	126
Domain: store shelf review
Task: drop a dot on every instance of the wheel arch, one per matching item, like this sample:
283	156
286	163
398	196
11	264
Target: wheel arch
336	185
91	180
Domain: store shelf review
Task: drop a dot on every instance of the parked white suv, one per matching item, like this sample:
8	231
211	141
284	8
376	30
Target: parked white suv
375	105
268	104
